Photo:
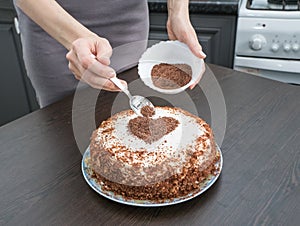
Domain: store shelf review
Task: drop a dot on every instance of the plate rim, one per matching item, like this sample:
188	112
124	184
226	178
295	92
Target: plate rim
188	197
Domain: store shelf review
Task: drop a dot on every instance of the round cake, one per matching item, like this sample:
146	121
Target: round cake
165	154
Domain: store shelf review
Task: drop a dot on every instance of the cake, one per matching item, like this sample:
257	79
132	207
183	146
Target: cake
171	76
165	154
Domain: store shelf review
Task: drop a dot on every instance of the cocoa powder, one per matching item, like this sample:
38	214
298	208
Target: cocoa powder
171	76
151	130
147	111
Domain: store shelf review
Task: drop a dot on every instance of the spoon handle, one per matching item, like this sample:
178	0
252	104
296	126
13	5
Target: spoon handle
118	83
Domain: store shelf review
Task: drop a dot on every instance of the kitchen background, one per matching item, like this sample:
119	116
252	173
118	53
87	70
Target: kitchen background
216	24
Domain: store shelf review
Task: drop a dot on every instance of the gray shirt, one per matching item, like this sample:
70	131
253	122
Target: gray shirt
120	21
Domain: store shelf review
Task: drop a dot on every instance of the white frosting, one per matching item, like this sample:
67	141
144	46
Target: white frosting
175	140
182	138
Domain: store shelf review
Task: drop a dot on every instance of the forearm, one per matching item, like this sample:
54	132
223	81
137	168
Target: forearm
54	20
178	8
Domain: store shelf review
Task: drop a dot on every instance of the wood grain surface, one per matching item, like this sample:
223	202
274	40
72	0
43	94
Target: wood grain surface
41	181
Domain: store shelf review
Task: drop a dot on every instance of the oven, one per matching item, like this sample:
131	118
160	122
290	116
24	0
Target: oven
268	39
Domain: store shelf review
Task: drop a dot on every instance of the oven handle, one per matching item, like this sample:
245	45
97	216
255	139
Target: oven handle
292	66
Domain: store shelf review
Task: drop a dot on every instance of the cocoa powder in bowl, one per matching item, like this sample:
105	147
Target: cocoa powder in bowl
171	76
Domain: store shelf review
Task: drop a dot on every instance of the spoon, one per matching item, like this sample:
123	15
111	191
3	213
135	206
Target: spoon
136	102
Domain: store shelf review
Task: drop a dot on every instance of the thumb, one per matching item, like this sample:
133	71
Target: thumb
195	47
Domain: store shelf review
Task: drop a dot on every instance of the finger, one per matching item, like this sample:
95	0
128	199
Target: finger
75	71
104	51
171	35
194	45
101	69
72	58
89	62
170	32
94	80
75	66
85	59
196	48
110	86
100	82
78	70
88	76
104	60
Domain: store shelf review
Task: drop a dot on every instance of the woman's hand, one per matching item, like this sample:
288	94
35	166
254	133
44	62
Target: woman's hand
89	60
88	53
180	28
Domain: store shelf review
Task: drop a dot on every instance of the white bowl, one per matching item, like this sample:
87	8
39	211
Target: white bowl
170	52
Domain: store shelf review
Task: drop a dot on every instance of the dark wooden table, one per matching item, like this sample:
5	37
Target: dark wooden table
41	181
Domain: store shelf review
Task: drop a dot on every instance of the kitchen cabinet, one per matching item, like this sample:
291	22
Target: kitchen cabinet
216	34
17	96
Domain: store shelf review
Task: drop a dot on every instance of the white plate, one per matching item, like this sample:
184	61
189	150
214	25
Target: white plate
146	203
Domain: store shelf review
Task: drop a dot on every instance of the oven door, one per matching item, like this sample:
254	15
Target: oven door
287	71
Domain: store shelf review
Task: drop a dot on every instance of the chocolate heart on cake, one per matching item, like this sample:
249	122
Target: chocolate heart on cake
151	130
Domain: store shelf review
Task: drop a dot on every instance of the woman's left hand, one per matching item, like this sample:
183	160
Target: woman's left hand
180	28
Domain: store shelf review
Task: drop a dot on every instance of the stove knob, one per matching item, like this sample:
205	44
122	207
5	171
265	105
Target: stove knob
287	47
295	47
257	42
275	47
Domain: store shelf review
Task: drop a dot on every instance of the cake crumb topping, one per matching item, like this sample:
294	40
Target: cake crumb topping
125	165
171	76
147	111
151	130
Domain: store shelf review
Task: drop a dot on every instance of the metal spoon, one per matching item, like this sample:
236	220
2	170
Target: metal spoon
136	102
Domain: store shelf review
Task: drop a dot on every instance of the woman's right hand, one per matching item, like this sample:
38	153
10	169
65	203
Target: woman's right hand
82	44
89	60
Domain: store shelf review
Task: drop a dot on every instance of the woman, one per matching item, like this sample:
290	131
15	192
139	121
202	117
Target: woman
64	35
